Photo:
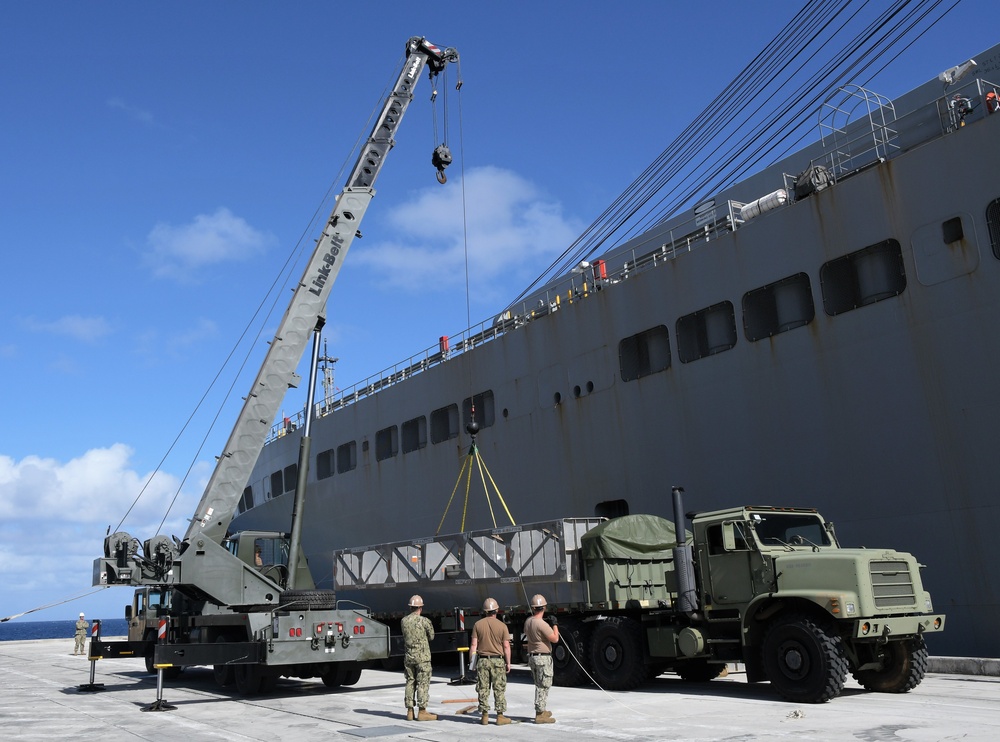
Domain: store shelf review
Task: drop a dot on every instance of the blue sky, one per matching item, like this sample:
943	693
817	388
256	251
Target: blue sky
160	161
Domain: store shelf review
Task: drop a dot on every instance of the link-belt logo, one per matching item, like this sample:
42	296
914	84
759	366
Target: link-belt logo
414	69
336	241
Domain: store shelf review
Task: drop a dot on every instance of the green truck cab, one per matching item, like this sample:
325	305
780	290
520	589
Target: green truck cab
805	610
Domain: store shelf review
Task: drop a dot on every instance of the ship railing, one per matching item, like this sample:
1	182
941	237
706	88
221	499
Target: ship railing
851	141
581	283
880	135
542	551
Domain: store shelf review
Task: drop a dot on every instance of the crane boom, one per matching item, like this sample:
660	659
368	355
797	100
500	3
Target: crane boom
163	561
277	372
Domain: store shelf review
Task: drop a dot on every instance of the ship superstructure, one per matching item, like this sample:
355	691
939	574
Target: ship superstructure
823	333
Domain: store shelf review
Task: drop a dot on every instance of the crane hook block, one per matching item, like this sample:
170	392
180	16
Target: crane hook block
441	158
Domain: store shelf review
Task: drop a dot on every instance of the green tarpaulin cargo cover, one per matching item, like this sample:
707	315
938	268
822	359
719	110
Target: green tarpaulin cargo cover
630	537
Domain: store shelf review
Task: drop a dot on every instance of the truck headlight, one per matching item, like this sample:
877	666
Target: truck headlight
928	606
851	609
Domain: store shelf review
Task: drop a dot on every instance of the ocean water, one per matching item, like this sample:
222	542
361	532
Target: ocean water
20	630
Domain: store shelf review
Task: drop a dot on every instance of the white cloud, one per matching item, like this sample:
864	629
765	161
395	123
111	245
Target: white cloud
53	518
97	487
84	329
181	251
513	233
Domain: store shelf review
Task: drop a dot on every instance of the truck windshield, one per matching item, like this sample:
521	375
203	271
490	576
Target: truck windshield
796	529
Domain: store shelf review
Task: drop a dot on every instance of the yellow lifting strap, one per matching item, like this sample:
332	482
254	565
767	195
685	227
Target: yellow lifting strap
484	473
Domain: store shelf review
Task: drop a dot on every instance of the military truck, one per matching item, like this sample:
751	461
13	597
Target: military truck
639	595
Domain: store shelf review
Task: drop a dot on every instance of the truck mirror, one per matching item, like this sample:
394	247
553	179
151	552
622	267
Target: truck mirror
728	536
128	613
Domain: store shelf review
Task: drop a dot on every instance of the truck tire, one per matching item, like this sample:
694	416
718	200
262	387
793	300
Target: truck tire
249	679
804	660
569	656
169	673
223	674
699	670
903	667
342	673
300	600
350	673
617	655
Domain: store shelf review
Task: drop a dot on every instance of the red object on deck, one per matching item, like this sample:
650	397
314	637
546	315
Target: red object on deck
600	270
443	343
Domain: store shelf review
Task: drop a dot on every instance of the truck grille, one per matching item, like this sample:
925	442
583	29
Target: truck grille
892	584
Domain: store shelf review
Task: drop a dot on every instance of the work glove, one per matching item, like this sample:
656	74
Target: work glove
552	621
472	662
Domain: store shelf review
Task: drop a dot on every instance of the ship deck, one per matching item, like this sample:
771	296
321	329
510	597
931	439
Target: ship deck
40	699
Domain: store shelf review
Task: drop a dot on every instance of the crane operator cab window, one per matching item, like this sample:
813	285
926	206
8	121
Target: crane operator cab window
260	551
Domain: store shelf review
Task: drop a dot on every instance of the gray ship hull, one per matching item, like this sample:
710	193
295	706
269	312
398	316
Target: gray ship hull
883	415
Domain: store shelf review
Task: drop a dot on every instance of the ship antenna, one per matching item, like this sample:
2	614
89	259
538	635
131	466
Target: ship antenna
327	367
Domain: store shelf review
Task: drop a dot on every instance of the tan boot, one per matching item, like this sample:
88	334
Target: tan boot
486	719
544	718
409	714
423	715
546	712
501	720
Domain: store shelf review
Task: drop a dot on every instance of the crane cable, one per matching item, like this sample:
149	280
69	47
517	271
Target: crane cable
484	473
731	146
472	427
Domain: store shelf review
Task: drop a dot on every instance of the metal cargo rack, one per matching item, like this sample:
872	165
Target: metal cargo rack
508	564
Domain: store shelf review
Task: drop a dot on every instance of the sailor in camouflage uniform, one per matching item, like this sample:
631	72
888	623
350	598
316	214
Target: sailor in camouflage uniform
418	631
489	653
80	636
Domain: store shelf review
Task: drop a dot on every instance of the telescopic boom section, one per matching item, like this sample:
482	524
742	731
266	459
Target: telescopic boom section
277	373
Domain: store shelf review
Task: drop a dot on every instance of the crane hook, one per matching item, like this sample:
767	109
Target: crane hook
441	158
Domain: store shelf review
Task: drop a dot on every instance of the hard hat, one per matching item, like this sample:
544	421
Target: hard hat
416	602
490	605
538	601
81	615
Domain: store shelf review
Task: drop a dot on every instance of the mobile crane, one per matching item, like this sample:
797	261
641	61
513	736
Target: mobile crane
205	599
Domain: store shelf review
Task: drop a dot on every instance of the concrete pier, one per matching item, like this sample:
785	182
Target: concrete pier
40	699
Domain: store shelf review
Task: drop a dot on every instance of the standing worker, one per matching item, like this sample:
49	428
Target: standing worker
418	632
539	637
490	654
81	635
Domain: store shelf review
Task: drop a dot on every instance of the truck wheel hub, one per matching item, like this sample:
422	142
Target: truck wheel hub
793	659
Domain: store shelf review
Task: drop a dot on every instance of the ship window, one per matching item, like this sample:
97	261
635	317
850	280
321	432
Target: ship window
347	457
386	443
645	353
778	307
277	486
324	464
485	414
291	477
863	277
246	502
993	222
611	509
706	332
444	424
414	434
